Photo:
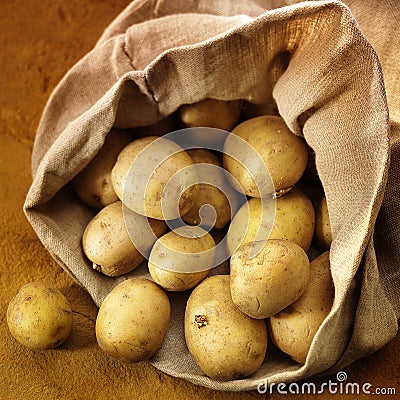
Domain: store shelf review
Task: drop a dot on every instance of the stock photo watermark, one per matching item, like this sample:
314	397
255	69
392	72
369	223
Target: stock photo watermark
339	386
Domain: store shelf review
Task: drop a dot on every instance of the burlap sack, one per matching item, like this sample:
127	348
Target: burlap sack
327	81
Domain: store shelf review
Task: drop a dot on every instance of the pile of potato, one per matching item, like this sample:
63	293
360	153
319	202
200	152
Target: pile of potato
272	290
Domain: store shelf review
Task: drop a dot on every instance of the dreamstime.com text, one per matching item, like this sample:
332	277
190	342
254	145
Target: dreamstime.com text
340	386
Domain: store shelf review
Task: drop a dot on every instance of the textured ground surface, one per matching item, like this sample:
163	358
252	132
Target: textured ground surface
39	41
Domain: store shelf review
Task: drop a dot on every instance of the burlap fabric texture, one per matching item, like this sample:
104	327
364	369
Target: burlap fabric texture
327	82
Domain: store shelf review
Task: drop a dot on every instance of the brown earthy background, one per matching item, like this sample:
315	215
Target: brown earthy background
40	41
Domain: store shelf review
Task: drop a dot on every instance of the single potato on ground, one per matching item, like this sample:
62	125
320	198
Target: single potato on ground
39	316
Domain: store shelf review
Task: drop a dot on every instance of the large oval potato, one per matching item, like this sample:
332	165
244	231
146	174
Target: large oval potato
93	184
270	280
293	329
191	250
39	316
294	221
283	153
225	343
217	193
133	320
142	178
323	233
108	245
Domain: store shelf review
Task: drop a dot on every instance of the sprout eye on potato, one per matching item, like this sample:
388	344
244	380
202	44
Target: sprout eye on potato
39	316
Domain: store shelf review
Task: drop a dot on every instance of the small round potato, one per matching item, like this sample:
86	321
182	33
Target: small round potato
265	283
225	343
108	244
283	153
323	233
189	249
133	320
210	193
39	316
93	184
152	178
294	221
211	113
293	329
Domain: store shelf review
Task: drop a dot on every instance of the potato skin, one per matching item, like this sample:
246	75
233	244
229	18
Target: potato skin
155	188
107	244
273	279
211	113
39	316
284	154
225	343
195	251
211	194
293	329
294	221
93	184
323	233
133	320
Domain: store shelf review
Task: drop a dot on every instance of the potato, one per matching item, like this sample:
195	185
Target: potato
294	221
142	178
225	343
293	329
211	113
266	282
217	193
93	184
283	153
323	233
133	320
191	250
108	244
39	316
